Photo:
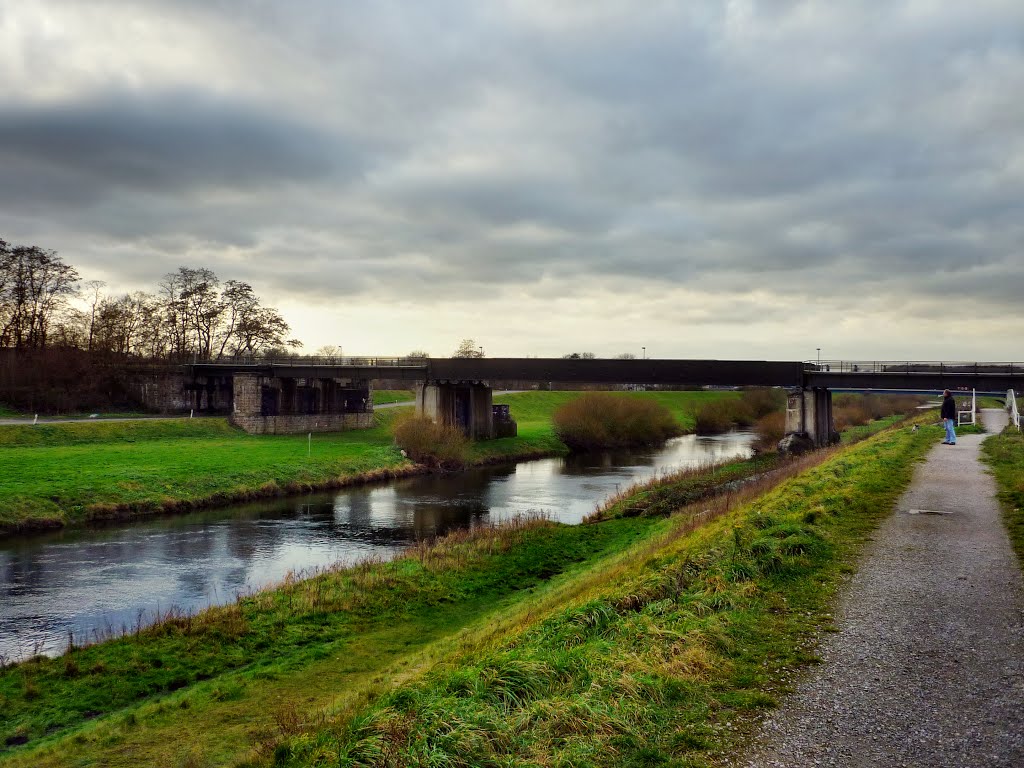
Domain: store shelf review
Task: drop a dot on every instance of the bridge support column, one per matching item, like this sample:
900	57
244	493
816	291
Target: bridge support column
809	412
467	406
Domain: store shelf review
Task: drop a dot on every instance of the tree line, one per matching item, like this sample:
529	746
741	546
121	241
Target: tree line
192	315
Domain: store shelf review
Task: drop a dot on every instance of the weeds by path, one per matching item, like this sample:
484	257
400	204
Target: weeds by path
1005	454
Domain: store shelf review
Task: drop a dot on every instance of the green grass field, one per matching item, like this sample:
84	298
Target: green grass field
65	473
385	396
631	641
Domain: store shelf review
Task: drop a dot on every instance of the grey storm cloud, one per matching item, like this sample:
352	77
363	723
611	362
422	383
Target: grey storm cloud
163	142
442	148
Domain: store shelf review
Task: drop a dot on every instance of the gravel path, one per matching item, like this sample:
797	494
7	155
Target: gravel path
927	668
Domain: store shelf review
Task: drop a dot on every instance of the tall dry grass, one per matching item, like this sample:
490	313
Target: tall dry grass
441	446
849	410
771	428
754	404
601	420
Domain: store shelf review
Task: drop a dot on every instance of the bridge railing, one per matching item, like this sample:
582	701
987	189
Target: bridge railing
1011	406
350	360
910	367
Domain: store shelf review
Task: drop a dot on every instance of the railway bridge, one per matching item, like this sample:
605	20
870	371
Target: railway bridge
328	394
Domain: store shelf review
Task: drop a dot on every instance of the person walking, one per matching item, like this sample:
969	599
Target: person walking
948	415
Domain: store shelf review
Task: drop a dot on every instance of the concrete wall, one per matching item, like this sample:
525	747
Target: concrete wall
292	425
178	393
264	405
165	393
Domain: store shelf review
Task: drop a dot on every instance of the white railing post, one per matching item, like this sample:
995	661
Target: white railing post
1011	406
961	416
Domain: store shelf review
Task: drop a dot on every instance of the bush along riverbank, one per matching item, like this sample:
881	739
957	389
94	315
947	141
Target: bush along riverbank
67	474
604	643
598	420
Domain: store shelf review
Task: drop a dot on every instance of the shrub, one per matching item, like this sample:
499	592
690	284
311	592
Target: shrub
602	420
715	417
436	445
763	400
850	410
770	430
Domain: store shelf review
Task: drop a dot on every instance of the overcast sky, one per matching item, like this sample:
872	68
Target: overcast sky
703	179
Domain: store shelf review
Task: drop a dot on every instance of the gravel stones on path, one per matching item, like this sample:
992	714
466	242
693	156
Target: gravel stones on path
927	669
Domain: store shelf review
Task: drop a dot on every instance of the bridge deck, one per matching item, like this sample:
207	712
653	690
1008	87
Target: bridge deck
989	377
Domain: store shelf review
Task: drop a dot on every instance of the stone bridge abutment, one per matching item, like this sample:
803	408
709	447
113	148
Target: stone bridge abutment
274	404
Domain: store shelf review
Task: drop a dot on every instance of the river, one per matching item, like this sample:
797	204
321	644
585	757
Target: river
92	583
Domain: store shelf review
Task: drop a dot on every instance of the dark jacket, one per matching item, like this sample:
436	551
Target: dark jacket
948	408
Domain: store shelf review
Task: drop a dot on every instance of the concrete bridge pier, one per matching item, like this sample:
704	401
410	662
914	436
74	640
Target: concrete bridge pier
809	412
461	404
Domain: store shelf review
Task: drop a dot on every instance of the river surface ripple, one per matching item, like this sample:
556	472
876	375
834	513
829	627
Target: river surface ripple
94	583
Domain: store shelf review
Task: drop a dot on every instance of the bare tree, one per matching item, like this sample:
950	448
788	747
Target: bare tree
34	288
240	302
94	290
261	330
332	353
468	348
173	319
122	323
193	308
189	316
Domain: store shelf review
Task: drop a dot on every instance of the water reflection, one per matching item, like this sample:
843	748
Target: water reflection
90	584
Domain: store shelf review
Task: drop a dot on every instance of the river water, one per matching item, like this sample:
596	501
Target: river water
93	583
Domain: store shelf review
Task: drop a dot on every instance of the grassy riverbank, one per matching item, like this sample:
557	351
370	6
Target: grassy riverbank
1005	454
636	640
61	474
662	655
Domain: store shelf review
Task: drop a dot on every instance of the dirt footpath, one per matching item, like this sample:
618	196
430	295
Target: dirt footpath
927	668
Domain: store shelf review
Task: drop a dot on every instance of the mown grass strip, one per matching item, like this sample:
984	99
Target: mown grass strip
655	664
82	472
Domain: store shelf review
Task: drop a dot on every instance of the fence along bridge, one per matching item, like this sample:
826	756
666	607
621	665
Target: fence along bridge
326	394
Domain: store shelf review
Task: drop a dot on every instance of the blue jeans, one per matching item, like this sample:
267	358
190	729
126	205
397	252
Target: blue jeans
950	434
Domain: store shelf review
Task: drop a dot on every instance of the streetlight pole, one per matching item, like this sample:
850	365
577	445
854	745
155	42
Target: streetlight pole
644	350
819	356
